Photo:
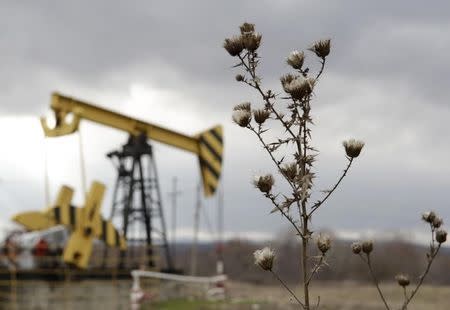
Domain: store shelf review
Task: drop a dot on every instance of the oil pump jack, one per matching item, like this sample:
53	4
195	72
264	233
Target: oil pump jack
136	196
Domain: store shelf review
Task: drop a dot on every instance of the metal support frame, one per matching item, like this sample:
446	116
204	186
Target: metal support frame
137	204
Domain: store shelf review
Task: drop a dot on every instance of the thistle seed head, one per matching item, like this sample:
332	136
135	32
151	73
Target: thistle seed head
429	216
295	59
321	48
356	247
245	106
367	246
402	279
437	222
251	41
242	117
286	80
246	28
300	87
290	171
234	45
261	115
441	236
353	147
324	243
264	258
239	77
264	183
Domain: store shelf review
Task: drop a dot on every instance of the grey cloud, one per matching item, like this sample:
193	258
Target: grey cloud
88	42
389	51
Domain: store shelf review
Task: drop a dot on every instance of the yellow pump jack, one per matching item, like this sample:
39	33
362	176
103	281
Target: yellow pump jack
85	223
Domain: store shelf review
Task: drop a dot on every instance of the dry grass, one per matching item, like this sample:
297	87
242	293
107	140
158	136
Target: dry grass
347	296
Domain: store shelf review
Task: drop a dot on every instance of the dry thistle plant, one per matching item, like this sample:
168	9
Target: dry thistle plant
296	167
291	112
438	237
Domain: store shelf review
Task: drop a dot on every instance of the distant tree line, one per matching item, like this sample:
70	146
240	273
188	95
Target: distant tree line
390	257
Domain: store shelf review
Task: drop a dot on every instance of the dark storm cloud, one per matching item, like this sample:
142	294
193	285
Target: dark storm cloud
90	42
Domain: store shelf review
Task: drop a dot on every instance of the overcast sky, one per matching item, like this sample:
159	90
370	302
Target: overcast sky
162	61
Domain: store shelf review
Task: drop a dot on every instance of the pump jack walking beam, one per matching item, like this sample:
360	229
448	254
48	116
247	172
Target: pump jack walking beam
207	145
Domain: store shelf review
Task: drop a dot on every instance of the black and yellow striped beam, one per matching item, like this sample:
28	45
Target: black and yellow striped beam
66	215
211	157
63	213
110	235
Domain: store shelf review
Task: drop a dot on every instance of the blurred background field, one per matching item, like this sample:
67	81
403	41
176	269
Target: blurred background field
241	296
343	285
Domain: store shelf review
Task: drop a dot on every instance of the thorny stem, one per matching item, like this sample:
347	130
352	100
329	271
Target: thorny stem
306	235
288	289
319	203
305	240
299	151
272	198
375	280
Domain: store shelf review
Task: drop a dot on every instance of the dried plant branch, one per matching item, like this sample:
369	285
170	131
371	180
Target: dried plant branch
431	256
374	278
405	295
344	173
272	198
316	268
266	147
438	235
288	289
322	66
318	303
